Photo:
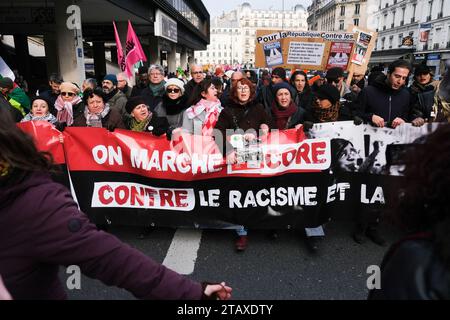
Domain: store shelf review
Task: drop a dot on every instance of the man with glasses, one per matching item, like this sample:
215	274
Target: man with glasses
113	96
155	90
234	79
197	77
122	84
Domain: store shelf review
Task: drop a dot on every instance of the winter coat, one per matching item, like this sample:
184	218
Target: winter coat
189	88
41	228
118	102
304	99
381	100
422	100
246	117
150	99
172	110
113	120
15	114
412	270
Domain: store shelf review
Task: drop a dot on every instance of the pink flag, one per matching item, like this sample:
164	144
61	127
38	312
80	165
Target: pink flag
134	52
120	56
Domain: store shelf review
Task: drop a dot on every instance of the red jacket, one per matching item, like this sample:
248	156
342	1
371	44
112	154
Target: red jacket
42	228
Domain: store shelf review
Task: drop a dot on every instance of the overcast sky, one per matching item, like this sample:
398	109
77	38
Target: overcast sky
217	7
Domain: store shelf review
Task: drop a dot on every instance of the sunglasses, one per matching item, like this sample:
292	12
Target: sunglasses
68	94
176	90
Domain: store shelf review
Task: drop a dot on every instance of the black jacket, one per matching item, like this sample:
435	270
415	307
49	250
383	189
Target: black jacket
381	100
157	125
412	270
150	99
189	89
15	114
422	100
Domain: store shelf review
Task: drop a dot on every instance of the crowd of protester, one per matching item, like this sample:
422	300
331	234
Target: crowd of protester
239	100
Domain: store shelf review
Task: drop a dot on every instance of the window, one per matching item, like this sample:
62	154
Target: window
341	25
400	39
382	43
356	22
357	8
342	11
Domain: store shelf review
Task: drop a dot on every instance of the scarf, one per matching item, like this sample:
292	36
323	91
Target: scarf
282	115
174	107
211	109
95	119
49	118
157	89
330	114
108	96
140	126
65	110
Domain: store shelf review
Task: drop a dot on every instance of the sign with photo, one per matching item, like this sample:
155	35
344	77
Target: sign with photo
310	50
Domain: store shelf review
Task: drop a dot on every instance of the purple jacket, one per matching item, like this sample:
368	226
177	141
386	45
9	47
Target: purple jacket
42	228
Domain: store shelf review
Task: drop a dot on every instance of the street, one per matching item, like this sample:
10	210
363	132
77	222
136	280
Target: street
269	269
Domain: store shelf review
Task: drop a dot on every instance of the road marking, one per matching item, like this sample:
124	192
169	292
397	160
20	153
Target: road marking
182	252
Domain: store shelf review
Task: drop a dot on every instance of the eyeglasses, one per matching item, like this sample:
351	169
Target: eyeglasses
243	89
68	94
175	90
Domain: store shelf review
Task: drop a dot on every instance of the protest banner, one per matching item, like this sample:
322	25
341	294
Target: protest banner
305	50
362	51
130	178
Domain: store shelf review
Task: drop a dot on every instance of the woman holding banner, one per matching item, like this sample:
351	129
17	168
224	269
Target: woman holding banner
42	228
97	113
243	114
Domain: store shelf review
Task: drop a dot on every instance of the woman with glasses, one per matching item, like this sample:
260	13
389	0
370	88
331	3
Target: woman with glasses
40	111
97	113
245	115
173	104
68	104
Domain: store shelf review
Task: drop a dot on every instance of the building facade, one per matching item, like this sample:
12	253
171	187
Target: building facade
417	30
233	34
337	15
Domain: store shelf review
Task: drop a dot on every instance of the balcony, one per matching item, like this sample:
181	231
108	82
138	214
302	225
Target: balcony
428	18
402	23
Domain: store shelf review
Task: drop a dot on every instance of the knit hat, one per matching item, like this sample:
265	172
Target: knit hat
133	102
279	72
112	78
6	83
329	92
69	87
283	85
175	82
421	69
335	73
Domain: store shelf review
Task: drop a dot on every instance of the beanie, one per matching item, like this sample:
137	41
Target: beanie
283	85
6	83
175	82
133	102
329	92
112	78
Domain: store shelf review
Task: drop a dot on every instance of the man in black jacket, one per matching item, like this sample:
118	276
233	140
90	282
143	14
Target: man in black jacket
386	103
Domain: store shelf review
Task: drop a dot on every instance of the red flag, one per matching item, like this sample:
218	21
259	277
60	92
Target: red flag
134	52
120	56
